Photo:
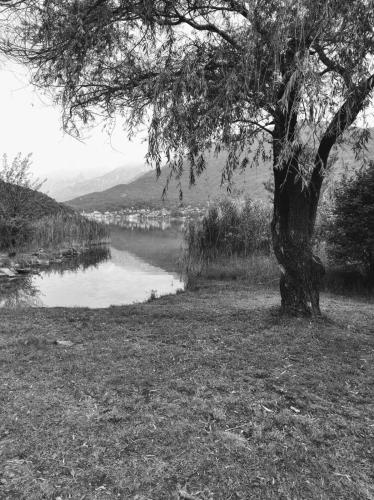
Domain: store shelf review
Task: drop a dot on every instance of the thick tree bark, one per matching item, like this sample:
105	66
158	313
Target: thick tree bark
292	231
295	204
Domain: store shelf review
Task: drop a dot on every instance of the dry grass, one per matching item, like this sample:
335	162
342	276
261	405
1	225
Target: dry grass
208	392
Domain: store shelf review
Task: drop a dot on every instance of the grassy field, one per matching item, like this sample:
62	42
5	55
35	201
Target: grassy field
203	395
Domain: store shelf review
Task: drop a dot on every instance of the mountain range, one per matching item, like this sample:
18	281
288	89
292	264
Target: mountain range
146	190
66	189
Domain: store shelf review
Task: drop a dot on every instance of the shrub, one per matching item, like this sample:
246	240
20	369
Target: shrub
14	232
350	229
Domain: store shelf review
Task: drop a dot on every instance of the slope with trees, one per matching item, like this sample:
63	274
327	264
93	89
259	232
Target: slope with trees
229	74
19	192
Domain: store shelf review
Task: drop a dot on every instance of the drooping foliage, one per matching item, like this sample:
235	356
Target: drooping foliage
199	73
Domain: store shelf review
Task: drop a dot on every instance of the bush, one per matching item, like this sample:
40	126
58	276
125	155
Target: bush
350	228
14	232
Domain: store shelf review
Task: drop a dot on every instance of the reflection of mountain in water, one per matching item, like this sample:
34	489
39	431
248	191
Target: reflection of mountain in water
159	248
129	262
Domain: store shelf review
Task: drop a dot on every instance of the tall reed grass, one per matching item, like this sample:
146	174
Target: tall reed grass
69	229
231	241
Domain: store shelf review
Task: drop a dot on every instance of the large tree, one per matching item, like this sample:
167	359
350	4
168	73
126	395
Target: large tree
206	74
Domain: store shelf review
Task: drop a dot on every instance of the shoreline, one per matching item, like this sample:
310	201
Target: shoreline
33	261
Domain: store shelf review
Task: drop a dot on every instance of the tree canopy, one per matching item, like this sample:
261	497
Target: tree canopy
202	73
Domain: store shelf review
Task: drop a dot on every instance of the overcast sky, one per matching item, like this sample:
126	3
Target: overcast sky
29	123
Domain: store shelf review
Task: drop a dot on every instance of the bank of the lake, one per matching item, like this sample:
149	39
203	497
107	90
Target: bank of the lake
206	394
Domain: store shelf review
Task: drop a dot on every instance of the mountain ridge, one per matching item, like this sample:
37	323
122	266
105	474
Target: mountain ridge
147	191
64	190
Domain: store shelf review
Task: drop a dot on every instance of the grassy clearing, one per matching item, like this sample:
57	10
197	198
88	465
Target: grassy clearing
210	393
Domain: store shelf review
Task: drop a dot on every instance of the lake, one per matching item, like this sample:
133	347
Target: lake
139	263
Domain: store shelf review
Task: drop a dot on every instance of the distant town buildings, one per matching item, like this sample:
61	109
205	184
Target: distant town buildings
146	218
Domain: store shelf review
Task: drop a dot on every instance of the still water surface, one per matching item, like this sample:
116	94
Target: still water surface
138	263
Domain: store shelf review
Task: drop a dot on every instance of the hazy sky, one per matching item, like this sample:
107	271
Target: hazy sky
29	123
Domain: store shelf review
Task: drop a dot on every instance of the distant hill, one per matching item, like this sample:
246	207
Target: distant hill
71	188
146	191
28	204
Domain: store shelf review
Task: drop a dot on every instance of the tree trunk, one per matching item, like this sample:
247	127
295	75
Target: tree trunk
292	231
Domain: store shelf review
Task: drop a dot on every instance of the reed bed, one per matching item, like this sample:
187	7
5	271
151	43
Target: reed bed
231	241
67	229
50	231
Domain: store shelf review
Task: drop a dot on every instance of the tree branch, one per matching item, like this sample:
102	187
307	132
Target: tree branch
332	65
256	124
344	117
181	19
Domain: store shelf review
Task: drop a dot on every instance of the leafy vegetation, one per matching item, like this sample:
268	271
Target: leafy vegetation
350	227
32	219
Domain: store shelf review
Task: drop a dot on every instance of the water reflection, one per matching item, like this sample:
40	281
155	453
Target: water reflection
92	257
19	292
149	224
98	278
